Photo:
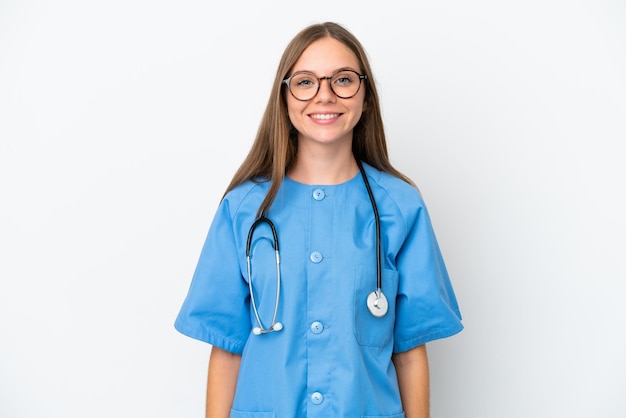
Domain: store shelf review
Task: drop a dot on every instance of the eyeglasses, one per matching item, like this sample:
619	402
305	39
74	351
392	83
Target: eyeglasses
304	85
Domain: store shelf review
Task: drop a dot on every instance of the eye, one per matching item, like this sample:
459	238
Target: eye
303	81
344	78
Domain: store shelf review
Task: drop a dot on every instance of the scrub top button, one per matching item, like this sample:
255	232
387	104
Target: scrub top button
316	257
318	194
317	398
317	327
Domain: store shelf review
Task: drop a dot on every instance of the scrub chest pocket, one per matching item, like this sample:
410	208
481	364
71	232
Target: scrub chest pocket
369	330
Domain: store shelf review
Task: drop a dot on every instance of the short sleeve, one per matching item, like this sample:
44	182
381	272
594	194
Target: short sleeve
215	309
426	306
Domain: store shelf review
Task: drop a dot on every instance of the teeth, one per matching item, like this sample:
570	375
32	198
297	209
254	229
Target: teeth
325	116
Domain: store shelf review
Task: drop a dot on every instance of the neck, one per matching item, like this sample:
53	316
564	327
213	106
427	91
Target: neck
331	167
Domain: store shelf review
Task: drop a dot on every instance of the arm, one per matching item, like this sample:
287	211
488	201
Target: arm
413	379
221	383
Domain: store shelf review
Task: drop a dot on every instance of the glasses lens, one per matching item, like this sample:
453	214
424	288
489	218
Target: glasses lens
303	86
345	84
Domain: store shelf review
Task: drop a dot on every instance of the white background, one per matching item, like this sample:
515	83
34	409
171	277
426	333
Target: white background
122	121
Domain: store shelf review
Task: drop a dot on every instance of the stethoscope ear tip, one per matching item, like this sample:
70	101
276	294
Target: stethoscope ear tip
278	326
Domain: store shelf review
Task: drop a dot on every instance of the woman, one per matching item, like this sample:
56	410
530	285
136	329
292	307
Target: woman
335	323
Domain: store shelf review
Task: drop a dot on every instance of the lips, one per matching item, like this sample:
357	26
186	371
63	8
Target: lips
324	116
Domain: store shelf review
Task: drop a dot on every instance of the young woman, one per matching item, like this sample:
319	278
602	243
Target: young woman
321	280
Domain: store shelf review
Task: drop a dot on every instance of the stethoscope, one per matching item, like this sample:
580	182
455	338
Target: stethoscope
376	300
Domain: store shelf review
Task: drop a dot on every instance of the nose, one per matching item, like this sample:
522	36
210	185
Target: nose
325	93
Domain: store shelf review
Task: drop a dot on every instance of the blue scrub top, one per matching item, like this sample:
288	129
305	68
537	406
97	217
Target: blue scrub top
333	357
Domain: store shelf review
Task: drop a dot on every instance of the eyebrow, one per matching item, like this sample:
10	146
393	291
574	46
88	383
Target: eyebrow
334	72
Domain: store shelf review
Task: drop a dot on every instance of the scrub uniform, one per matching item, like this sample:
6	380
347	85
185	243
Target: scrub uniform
333	357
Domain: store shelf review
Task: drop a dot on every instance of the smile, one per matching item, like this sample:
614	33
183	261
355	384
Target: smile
324	116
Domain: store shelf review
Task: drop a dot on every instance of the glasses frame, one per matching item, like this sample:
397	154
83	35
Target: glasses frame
287	82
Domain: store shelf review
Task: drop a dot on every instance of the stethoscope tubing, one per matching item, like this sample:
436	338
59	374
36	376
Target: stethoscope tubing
379	273
274	325
376	301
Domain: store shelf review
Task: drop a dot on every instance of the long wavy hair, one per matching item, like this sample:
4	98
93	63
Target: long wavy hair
274	149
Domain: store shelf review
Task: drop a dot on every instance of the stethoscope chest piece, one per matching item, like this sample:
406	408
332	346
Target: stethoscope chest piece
377	303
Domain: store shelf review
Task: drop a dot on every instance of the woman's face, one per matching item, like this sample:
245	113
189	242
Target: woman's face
326	118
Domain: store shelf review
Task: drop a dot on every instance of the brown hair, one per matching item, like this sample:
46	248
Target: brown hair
274	149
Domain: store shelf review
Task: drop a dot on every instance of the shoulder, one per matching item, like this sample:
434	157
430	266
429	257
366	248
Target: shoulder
396	197
403	194
247	196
